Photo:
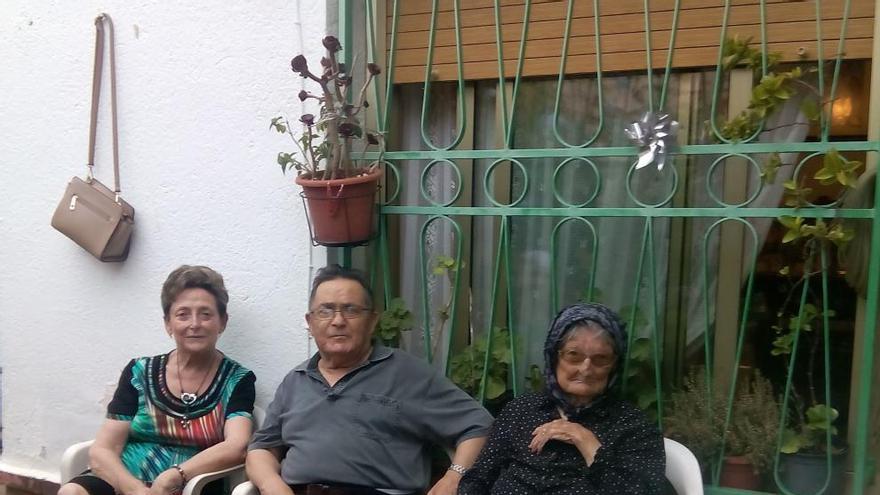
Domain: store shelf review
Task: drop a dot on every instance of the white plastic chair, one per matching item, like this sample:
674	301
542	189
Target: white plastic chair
246	488
682	469
75	460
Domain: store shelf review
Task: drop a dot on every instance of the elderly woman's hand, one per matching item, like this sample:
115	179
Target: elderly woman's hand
568	432
167	483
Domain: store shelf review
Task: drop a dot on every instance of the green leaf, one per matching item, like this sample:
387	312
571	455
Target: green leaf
791	222
278	124
494	388
640	350
466	366
820	416
287	161
446	261
782	344
810	109
791	442
646	400
770	168
535	379
395	320
790	236
730	61
824	174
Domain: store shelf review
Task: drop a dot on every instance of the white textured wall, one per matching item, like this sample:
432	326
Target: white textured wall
198	83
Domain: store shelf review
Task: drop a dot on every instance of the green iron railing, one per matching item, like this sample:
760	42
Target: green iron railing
433	213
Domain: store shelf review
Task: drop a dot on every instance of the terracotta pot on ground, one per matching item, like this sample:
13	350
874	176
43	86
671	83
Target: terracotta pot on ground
341	210
737	472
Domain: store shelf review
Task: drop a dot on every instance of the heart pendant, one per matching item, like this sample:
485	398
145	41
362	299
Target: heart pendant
187	398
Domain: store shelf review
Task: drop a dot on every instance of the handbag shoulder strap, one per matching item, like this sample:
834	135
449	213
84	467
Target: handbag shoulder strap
100	22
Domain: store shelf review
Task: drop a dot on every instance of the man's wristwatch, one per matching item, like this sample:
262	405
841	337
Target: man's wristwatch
458	468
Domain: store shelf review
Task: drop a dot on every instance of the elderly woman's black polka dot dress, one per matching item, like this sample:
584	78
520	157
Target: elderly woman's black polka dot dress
630	461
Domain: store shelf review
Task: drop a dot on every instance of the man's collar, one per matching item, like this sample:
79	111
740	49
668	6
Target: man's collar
378	353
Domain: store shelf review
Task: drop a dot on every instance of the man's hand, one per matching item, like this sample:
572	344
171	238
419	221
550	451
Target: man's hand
568	432
447	485
264	470
277	488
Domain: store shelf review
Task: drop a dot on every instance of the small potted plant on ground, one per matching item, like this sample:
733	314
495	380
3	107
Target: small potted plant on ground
338	193
696	418
692	418
804	465
753	428
809	442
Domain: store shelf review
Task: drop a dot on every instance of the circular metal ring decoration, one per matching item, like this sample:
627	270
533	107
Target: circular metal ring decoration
711	171
488	190
390	166
797	171
424	177
632	195
558	171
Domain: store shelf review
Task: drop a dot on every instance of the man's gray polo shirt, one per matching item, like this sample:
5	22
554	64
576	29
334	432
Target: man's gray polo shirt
373	428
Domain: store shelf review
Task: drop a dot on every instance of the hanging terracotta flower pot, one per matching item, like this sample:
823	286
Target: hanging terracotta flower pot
340	211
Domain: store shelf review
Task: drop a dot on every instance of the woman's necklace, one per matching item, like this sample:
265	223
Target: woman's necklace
189	398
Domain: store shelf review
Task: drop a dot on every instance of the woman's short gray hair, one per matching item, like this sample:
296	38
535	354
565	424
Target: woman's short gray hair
194	277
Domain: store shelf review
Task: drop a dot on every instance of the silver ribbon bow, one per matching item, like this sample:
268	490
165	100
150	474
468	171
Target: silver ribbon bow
654	135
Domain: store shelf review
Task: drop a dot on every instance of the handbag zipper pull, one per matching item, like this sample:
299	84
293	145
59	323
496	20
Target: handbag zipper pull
72	202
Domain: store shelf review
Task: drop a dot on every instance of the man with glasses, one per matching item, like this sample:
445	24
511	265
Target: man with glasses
359	418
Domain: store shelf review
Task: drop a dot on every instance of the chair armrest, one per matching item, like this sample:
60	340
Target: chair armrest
197	483
75	460
246	488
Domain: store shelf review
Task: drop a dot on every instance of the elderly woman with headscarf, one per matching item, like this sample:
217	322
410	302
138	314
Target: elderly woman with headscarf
576	437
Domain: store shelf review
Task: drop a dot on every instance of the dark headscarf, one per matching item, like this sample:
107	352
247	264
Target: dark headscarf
569	318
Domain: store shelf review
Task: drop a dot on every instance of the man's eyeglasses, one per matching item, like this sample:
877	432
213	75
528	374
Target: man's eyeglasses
571	356
348	311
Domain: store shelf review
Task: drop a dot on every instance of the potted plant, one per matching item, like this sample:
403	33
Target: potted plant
696	418
808	443
804	465
755	420
807	440
811	453
338	194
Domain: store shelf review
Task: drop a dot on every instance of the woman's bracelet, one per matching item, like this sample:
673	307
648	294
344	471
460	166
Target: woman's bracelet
182	473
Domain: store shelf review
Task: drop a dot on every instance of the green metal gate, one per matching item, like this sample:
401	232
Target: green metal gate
502	202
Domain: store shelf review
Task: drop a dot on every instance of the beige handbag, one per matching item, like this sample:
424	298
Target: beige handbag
91	214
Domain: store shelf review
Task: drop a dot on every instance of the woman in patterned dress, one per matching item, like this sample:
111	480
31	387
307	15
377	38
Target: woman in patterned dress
576	437
175	415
